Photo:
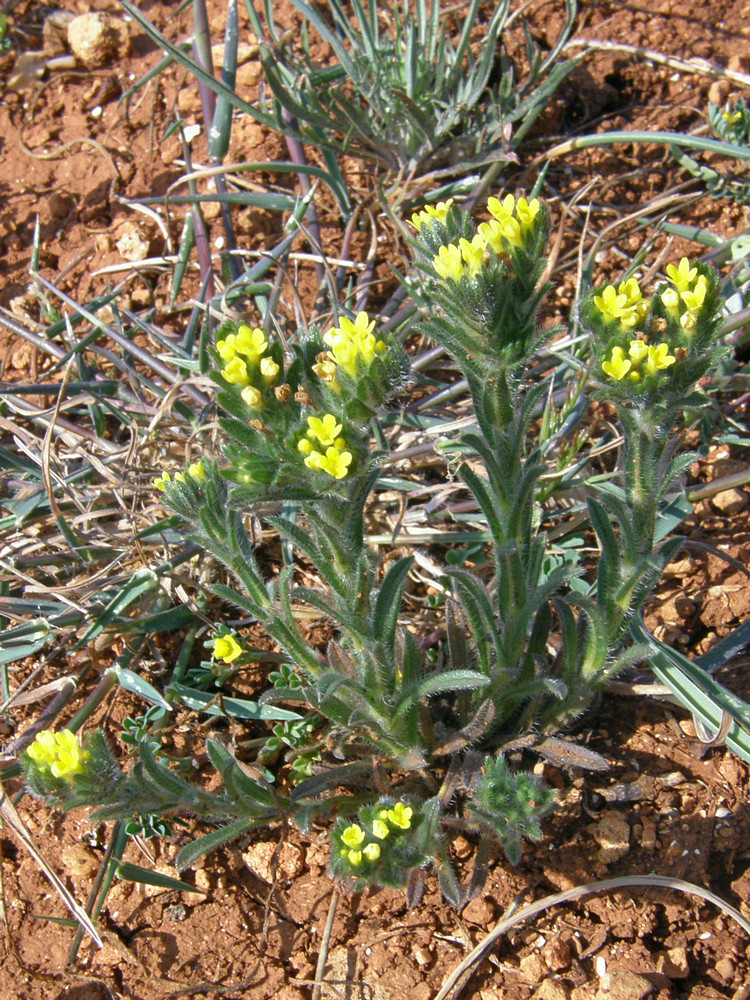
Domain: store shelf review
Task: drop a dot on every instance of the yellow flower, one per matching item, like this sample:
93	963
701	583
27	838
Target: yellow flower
527	211
695	297
682	275
401	815
473	253
372	852
251	343
226	349
637	351
350	342
732	117
344	353
380	829
671	301
659	358
361	326
631	290
226	648
58	751
430	214
304	447
236	372
611	304
633	309
353	836
269	369
162	482
196	470
618	366
336	463
325	430
355	857
501	210
449	263
252	397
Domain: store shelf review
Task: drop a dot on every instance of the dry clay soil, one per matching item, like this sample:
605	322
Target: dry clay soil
668	805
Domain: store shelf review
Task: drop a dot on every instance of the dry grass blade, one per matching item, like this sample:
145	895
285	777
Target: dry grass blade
461	975
10	816
323	954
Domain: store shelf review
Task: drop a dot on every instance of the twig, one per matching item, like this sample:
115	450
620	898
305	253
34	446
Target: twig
323	953
461	975
695	65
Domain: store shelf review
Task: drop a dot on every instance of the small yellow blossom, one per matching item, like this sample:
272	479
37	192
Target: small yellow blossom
472	253
196	470
671	301
695	297
162	482
611	303
631	290
251	343
501	209
681	276
344	353
401	815
430	214
227	350
527	211
353	836
355	857
350	343
380	829
336	463
253	397
226	648
732	117
236	372
324	431
269	369
372	852
58	751
304	447
637	351
659	358
449	263
618	366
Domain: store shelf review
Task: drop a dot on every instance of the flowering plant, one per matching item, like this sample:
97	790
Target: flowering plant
402	749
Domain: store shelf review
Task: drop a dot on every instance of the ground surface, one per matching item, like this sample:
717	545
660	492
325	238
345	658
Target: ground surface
668	805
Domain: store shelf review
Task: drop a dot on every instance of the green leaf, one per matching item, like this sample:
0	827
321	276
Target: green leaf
129	872
699	693
238	708
388	603
137	685
217	838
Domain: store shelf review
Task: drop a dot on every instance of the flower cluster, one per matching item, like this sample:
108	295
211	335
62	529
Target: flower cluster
511	224
353	347
326	433
623	304
58	753
431	214
641	359
685	300
195	470
352	846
